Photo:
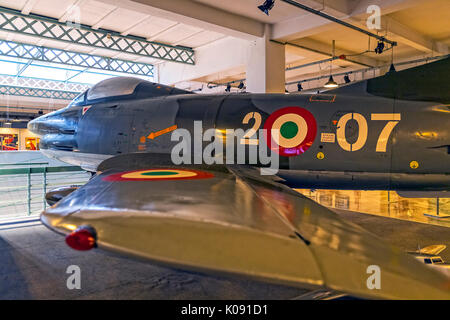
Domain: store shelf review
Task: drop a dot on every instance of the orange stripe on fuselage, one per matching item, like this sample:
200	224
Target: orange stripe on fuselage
156	134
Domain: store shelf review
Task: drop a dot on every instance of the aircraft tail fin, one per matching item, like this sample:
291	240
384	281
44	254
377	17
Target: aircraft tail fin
428	82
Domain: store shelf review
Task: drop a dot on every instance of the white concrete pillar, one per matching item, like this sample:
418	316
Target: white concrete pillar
219	56
266	65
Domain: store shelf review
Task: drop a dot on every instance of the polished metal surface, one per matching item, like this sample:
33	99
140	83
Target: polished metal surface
239	223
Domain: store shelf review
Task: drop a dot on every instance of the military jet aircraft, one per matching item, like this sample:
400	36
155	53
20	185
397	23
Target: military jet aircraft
391	132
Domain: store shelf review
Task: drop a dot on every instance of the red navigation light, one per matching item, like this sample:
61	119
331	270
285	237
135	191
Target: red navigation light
84	238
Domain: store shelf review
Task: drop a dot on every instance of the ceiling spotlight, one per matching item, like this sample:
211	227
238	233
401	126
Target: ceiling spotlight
299	87
347	79
241	85
331	83
228	88
380	47
267	6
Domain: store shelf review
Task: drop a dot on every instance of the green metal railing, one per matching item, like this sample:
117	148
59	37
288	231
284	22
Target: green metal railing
22	190
13	21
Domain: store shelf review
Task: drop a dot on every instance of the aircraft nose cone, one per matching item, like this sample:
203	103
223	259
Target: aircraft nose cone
42	124
55	122
33	125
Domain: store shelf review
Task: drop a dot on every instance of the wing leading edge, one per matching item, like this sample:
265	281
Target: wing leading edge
230	220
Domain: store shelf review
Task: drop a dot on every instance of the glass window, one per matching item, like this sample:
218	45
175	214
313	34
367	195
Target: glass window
51	73
437	260
79	100
427	261
113	87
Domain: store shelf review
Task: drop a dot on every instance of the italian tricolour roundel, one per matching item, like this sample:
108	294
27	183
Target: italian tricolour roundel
290	131
158	174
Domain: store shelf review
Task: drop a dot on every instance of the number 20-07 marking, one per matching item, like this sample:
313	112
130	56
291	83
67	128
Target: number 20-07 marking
392	118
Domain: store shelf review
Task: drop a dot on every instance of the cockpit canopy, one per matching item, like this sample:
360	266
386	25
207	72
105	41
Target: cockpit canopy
124	88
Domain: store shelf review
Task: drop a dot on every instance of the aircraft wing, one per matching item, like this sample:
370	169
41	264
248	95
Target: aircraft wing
433	249
231	220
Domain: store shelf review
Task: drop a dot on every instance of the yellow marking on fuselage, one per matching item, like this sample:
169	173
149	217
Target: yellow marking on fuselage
414	164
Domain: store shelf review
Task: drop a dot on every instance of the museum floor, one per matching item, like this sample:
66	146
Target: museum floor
34	262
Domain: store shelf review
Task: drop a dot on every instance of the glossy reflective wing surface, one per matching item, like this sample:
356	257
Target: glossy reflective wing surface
231	220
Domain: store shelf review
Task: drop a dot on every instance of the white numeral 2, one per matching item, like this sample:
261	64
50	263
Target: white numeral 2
252	131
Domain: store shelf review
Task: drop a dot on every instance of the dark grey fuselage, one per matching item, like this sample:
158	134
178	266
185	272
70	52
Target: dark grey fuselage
416	154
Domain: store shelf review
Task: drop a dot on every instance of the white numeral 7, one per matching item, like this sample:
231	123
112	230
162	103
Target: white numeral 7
393	119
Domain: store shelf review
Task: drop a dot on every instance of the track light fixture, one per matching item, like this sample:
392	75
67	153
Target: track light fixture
380	47
347	79
267	6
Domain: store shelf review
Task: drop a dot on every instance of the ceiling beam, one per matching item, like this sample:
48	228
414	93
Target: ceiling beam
323	49
134	25
196	14
196	33
163	32
387	6
28	6
100	22
340	21
70	10
308	24
412	38
39	27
